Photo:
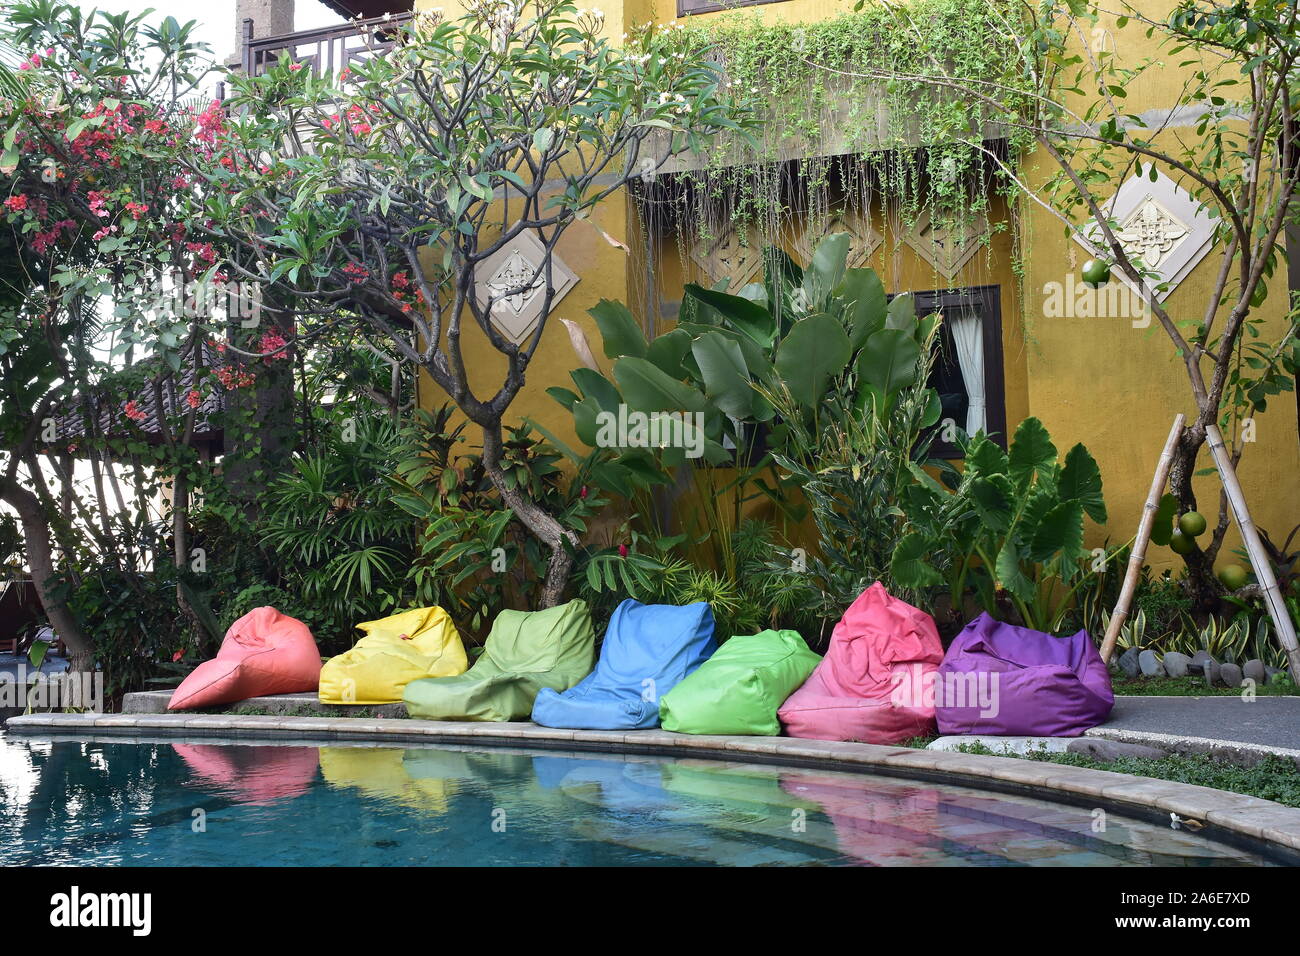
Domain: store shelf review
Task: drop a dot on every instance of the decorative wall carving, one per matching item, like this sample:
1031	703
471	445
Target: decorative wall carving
863	240
1160	223
730	255
947	246
517	306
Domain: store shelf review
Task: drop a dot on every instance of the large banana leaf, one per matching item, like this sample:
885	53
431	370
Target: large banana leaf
816	350
646	388
619	329
726	378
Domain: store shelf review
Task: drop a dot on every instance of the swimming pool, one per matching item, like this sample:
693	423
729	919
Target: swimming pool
215	804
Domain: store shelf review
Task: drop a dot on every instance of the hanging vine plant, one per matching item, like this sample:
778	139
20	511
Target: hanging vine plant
826	138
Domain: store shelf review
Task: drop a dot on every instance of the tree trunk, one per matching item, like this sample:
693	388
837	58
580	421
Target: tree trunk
36	537
1202	586
261	428
539	523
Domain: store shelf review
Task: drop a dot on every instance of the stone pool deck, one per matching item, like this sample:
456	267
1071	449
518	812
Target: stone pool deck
1226	728
1222	815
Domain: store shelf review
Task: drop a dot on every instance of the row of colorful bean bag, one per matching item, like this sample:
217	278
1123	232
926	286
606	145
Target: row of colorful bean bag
884	679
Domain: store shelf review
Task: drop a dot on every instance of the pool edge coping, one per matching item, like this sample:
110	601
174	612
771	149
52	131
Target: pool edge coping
1243	817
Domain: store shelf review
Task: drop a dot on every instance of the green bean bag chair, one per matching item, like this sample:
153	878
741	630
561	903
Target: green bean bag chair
739	688
526	651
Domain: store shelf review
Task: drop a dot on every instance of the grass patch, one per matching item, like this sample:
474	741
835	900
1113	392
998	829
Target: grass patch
1273	778
1193	687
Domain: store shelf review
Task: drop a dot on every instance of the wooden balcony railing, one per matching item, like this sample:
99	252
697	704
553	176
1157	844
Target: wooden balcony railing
325	50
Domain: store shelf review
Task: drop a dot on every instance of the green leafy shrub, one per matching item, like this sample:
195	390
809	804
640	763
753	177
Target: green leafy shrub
264	595
1010	527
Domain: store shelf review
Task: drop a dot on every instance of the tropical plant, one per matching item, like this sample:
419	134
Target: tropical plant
809	384
1010	527
472	548
1132	633
343	544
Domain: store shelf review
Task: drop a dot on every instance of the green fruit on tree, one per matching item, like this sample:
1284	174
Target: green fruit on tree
1096	272
1192	523
1181	543
1233	576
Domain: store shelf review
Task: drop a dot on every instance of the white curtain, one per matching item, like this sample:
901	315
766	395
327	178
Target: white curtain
968	340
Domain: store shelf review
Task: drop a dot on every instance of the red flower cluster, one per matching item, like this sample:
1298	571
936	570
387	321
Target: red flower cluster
16	203
203	250
193	398
356	272
137	209
210	123
93	142
358	120
42	241
133	411
404	292
98	202
273	345
232	377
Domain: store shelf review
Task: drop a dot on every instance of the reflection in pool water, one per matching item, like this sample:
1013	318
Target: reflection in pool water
139	804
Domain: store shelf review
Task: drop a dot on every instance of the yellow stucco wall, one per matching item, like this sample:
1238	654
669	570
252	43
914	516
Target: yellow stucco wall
1096	380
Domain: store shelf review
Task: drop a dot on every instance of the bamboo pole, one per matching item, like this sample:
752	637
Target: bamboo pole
1254	547
1139	553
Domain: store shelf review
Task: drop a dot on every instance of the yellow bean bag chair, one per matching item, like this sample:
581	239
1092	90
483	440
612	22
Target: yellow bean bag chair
394	652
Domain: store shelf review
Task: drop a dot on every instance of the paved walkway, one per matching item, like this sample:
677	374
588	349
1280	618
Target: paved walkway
1264	721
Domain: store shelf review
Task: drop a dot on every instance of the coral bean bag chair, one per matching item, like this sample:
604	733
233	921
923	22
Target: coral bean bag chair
264	652
525	651
394	652
648	649
1011	681
739	688
872	684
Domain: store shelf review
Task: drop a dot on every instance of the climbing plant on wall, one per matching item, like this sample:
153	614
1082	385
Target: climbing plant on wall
902	142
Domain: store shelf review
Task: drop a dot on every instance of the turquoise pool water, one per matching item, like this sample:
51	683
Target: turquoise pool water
157	804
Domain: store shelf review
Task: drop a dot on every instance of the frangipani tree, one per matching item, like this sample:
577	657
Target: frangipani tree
376	196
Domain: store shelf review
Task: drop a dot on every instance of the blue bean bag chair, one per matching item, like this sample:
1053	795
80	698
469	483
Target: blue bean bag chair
648	649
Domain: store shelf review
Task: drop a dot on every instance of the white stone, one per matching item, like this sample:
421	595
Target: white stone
1017	746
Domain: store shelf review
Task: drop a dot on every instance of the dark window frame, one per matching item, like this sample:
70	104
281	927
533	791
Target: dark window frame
988	300
687	7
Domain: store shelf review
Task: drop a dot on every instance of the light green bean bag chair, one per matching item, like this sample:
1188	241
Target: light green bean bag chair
526	651
739	688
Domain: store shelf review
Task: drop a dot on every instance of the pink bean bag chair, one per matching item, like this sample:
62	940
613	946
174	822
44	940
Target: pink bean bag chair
875	683
265	652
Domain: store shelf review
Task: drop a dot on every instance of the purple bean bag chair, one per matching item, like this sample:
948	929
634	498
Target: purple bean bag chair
1010	681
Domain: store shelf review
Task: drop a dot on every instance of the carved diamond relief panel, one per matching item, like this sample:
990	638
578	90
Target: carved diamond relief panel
863	240
1151	233
730	256
510	279
1160	223
947	246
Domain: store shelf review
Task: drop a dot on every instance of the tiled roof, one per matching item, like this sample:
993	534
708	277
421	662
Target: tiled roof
108	403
